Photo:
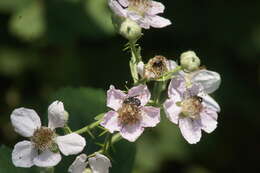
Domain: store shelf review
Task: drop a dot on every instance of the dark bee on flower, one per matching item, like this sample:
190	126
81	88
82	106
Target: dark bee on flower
132	101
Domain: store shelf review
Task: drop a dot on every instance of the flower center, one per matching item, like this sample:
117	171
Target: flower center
157	66
129	113
191	107
43	138
139	6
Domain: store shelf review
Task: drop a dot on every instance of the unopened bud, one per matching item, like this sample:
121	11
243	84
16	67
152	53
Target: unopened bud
130	30
190	61
87	170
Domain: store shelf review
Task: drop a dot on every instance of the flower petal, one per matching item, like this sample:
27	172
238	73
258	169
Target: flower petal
117	8
23	154
171	65
172	111
110	121
193	90
99	163
131	132
141	92
124	3
209	120
155	8
208	101
79	164
115	98
150	116
190	129
25	121
71	143
57	115
158	21
209	80
140	68
177	87
47	159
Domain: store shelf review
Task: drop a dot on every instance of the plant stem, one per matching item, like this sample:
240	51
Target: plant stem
88	127
47	170
66	129
135	59
115	138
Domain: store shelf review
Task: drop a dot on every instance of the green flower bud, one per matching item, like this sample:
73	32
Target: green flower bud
190	61
66	116
130	30
87	170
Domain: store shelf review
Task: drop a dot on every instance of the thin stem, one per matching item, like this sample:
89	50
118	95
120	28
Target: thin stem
47	170
135	59
66	129
88	127
115	138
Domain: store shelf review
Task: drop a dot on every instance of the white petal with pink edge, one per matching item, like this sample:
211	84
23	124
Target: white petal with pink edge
131	132
150	116
190	129
172	111
141	92
115	98
110	121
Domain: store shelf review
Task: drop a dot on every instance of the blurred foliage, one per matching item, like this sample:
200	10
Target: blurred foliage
46	45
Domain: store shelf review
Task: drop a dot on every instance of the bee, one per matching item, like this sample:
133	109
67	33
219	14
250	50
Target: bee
132	101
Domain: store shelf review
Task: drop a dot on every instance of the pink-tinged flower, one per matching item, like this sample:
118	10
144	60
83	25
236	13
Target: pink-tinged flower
156	67
130	115
43	148
98	164
190	108
209	81
143	12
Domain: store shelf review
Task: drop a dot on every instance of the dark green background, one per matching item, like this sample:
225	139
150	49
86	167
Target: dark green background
46	45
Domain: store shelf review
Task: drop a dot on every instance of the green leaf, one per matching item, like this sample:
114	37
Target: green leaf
7	166
13	5
28	23
123	157
98	10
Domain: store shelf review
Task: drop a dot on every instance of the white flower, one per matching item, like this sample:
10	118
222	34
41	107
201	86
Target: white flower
98	164
155	67
208	80
129	115
192	109
143	12
43	148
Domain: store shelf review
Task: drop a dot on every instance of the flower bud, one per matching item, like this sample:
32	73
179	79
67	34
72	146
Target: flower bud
87	170
190	61
130	30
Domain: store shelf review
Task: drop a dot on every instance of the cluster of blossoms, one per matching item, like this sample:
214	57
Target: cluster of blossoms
188	104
